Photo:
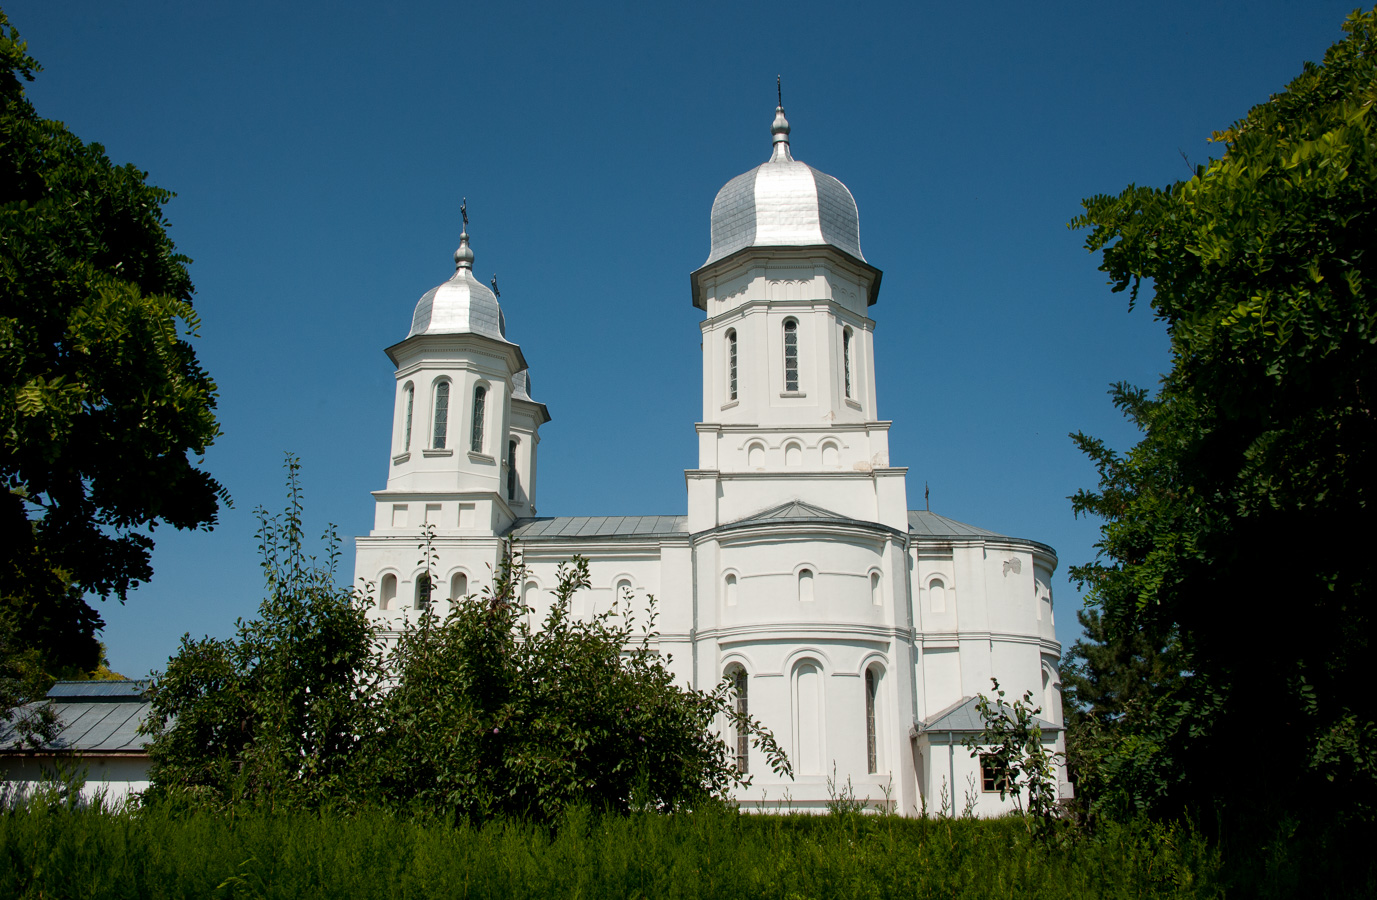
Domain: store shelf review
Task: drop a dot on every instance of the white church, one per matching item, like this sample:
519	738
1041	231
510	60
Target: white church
857	629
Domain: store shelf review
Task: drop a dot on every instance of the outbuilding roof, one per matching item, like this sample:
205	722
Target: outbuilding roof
963	717
93	717
564	527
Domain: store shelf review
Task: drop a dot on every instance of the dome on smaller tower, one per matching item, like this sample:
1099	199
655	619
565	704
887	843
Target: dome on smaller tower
462	305
784	203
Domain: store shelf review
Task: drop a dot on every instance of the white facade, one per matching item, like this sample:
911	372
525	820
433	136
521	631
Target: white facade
860	625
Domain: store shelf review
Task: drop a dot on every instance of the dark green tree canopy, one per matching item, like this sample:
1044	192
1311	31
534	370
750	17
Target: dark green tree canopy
103	404
1240	524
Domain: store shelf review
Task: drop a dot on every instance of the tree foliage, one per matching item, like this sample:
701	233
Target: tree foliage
1011	743
276	715
1239	525
102	399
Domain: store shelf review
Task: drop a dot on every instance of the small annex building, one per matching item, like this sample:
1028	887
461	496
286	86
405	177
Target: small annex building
853	625
97	739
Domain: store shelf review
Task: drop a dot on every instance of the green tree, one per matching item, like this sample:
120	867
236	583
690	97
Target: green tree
1240	524
274	716
102	401
495	714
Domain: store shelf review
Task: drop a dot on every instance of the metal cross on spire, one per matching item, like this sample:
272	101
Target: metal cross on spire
495	291
464	212
779	90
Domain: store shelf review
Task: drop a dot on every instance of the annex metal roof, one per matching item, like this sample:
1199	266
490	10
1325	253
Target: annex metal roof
94	717
963	717
930	524
566	527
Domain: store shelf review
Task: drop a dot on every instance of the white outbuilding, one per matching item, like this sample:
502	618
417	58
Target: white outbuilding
857	629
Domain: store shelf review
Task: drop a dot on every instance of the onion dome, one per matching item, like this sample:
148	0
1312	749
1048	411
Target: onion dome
784	203
462	305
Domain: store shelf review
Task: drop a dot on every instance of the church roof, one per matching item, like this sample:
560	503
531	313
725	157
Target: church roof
784	203
561	527
93	717
962	716
461	305
930	524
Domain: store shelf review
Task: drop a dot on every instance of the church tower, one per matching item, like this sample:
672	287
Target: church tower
789	407
464	438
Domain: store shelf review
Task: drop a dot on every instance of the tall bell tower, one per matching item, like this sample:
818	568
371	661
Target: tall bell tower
789	406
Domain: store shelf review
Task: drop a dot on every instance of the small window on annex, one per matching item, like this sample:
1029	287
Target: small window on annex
441	415
740	684
480	398
877	593
805	585
730	586
790	355
409	402
846	361
994	777
623	591
731	364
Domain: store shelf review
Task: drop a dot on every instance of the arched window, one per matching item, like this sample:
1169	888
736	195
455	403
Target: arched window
623	591
846	360
830	457
743	736
877	597
871	684
805	585
790	355
808	735
480	398
731	589
441	415
423	591
793	455
511	472
387	594
528	593
731	364
755	456
937	595
458	587
410	391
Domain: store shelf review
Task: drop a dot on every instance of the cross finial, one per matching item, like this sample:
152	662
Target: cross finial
779	90
926	505
464	212
495	291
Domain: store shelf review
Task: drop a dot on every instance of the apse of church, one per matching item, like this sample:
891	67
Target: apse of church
857	629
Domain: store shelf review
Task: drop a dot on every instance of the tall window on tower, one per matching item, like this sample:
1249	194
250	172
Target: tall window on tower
406	427
743	737
511	471
791	355
441	415
731	364
480	397
846	360
870	755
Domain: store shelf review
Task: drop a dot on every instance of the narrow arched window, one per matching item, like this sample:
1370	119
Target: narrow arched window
793	455
623	591
423	591
937	595
511	472
441	415
805	585
808	718
458	587
388	594
870	754
480	398
791	355
410	391
755	456
743	735
877	597
846	360
731	364
731	589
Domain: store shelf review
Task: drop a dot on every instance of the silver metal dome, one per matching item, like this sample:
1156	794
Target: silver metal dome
462	305
784	203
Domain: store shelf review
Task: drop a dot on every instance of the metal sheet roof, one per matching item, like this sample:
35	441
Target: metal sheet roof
962	716
122	689
91	727
930	524
566	527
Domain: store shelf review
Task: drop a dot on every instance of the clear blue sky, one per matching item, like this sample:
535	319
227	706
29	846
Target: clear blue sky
319	152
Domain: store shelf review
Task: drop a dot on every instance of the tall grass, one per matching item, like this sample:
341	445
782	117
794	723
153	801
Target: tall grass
153	853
